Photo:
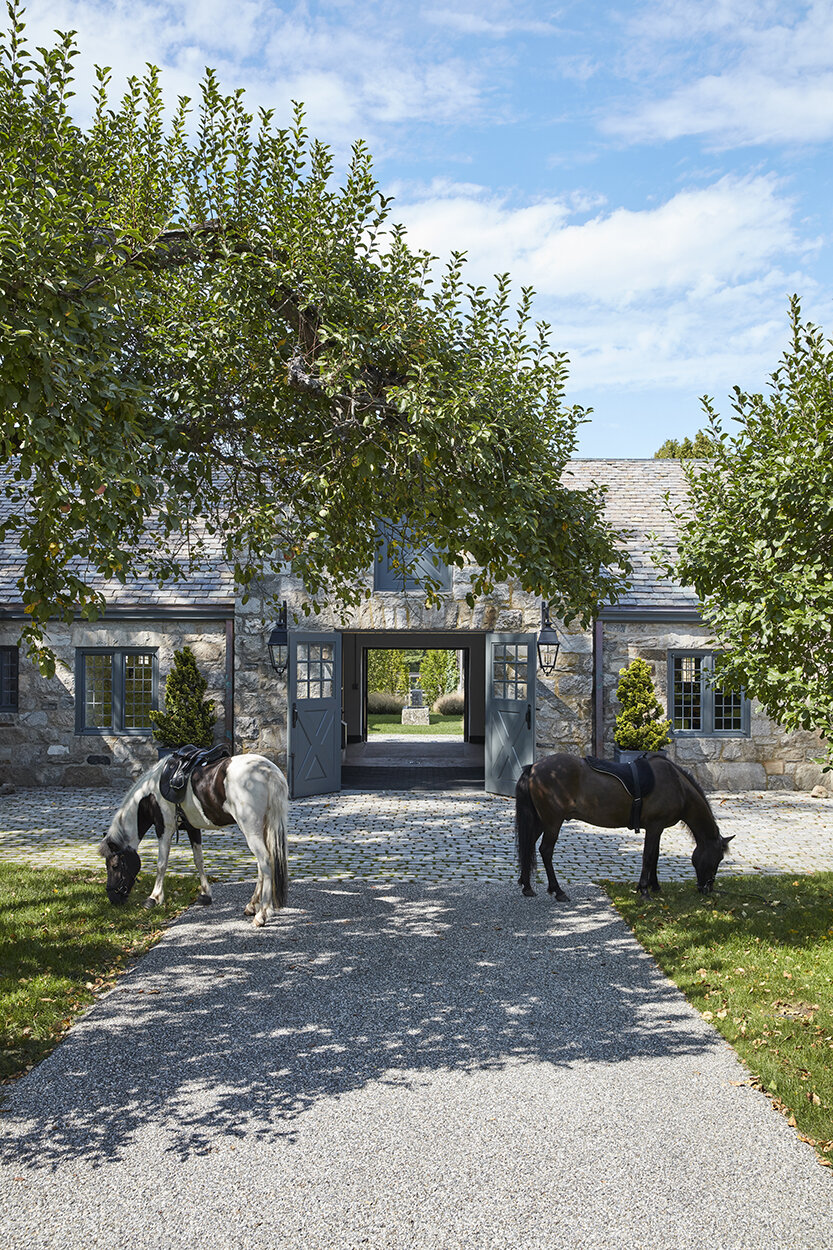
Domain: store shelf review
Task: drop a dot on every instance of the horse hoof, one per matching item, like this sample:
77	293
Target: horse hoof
204	900
561	896
249	909
150	902
259	921
528	892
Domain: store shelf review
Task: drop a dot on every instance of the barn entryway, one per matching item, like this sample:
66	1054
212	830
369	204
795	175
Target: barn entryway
382	752
327	724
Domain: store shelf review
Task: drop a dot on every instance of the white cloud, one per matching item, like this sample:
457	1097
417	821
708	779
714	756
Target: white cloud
744	73
699	240
670	296
469	23
357	72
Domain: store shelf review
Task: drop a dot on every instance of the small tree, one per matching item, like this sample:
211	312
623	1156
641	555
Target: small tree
437	674
755	538
188	716
640	726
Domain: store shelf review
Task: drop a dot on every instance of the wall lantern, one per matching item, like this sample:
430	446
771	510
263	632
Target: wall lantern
279	643
548	643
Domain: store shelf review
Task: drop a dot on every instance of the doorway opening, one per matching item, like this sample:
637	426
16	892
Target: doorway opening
413	715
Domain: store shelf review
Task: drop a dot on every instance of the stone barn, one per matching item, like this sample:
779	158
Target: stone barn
89	724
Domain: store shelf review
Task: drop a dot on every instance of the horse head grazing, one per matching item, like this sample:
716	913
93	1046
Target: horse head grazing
706	860
123	865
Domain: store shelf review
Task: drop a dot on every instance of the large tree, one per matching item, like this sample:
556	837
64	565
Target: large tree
201	333
756	537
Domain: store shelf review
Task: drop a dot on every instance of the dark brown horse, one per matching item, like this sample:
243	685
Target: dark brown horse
565	787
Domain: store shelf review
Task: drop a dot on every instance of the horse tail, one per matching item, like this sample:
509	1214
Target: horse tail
275	834
528	826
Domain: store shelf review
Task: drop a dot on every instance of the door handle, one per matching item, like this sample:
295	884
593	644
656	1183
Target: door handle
529	715
294	715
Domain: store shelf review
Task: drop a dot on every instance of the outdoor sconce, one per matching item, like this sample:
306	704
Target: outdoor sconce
548	643
279	643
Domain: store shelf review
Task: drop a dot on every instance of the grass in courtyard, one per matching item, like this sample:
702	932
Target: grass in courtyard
756	959
62	944
391	723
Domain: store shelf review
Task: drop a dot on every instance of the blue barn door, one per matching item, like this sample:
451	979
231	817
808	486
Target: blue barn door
314	730
510	709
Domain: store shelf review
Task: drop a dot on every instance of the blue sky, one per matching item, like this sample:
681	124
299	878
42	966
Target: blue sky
659	171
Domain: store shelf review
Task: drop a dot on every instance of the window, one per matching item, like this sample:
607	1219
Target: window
115	691
393	544
8	679
695	705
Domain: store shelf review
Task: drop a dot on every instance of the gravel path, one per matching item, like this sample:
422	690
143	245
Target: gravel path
401	1067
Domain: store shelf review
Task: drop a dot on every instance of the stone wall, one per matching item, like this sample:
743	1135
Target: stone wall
770	758
38	743
564	705
261	696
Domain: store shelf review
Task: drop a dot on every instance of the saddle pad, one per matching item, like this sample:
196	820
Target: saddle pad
173	780
623	774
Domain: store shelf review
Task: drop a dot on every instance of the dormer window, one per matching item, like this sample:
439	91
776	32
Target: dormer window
395	551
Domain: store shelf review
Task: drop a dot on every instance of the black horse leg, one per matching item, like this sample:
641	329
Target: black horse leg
547	846
648	879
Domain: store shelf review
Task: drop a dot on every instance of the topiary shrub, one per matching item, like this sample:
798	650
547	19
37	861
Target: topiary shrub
452	704
188	716
382	701
640	726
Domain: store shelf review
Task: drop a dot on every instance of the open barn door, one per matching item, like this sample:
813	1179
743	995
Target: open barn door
510	709
314	731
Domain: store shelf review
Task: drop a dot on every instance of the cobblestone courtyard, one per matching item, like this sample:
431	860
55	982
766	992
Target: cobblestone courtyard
428	837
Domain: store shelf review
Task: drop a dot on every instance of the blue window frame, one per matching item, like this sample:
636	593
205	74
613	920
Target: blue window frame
115	690
698	708
8	679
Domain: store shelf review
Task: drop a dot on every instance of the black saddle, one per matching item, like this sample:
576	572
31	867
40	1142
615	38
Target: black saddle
637	778
173	780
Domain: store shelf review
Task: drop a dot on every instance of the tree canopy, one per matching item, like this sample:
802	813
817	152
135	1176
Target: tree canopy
701	447
204	336
756	538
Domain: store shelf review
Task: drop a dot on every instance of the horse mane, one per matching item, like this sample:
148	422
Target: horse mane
132	796
693	781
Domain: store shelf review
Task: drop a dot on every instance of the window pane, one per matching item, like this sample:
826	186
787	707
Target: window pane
8	678
314	670
98	691
138	691
728	711
688	692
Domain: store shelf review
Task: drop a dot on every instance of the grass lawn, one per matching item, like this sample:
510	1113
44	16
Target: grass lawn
391	722
61	944
756	959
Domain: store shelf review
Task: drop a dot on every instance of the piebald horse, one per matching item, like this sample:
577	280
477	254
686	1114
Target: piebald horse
565	787
247	790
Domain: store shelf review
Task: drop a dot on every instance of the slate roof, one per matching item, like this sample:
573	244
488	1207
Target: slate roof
208	587
635	504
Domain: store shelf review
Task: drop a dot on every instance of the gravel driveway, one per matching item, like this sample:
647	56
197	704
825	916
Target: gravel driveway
401	1066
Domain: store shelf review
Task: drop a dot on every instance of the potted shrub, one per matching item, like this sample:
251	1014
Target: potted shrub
641	725
188	717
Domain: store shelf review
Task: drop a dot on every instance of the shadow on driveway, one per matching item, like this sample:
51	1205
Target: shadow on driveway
225	1031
